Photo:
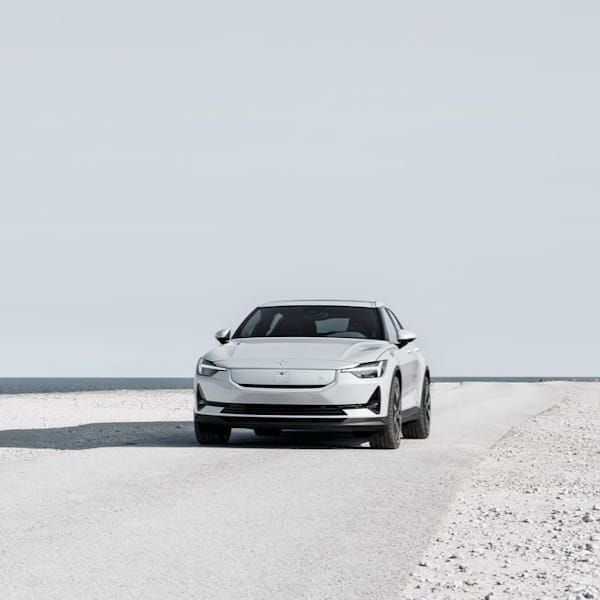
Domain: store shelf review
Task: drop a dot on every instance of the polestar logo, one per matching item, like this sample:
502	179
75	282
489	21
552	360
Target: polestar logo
282	363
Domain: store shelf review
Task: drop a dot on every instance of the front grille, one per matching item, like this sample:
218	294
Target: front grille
253	421
282	387
281	409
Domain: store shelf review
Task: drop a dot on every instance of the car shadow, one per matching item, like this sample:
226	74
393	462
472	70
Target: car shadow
163	434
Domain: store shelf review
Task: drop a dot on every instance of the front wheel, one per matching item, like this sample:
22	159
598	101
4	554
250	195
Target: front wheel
209	435
389	436
420	427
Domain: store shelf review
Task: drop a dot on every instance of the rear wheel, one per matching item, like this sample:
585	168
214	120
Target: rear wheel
267	431
210	435
419	428
389	437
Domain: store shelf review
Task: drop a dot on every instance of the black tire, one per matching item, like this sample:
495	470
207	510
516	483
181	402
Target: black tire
209	435
267	431
420	427
389	437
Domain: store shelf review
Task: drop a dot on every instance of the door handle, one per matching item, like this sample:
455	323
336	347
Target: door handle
408	351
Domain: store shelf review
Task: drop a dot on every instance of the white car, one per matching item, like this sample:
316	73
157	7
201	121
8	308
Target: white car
327	365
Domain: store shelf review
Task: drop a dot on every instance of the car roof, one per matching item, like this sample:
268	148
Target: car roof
365	303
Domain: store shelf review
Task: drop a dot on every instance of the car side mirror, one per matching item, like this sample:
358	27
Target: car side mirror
223	335
405	337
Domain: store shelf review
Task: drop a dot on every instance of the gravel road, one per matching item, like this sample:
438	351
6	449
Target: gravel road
526	522
106	494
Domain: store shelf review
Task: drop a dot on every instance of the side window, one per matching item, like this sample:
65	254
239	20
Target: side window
395	320
395	323
389	327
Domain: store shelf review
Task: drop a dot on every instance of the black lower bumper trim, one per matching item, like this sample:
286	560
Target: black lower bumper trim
295	410
302	423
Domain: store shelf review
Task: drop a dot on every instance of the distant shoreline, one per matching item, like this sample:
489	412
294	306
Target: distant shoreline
40	385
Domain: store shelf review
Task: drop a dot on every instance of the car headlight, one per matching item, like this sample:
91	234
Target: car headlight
208	368
367	370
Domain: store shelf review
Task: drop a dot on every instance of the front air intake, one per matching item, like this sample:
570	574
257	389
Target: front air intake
200	399
374	403
282	409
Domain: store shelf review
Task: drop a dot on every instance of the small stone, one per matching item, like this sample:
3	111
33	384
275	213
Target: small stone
587	518
423	563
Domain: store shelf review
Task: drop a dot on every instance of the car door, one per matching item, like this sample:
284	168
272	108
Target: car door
411	365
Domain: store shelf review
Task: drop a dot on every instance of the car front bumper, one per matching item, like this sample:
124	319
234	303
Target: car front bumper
346	403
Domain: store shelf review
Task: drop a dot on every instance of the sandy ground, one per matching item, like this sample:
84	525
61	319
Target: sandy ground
106	494
42	424
526	523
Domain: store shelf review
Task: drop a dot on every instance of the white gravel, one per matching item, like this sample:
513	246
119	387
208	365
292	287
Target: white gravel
106	494
526	523
75	421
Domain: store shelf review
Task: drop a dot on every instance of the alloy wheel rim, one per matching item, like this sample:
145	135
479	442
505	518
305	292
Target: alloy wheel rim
396	407
427	403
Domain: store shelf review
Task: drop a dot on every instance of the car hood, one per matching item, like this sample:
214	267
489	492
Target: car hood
297	353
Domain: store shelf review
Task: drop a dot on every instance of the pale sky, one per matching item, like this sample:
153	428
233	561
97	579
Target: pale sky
165	166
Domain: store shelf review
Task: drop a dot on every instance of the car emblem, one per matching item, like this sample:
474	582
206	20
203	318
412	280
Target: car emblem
282	363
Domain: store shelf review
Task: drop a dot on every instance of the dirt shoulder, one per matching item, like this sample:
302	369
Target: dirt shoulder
526	524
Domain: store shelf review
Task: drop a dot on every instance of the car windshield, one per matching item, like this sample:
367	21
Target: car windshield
312	321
